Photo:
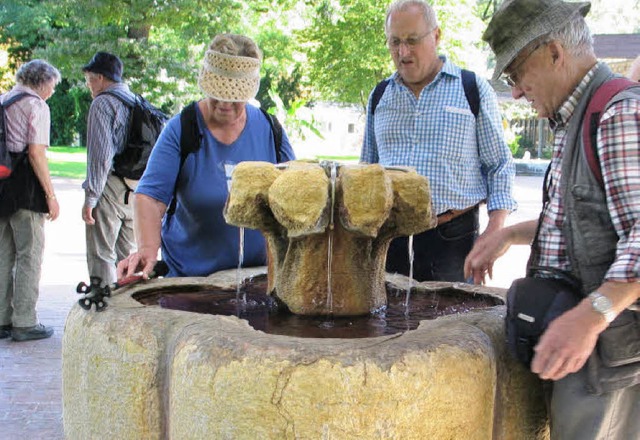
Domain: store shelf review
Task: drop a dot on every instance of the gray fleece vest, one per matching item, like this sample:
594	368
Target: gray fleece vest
588	230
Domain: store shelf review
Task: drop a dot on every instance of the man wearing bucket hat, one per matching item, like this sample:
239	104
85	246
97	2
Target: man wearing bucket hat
588	231
107	215
195	238
425	118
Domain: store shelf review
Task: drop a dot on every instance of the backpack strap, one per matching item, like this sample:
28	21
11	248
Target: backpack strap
126	100
276	131
471	91
190	140
377	94
15	98
469	85
591	121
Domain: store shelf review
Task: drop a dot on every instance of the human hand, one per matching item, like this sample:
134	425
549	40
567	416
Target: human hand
486	250
54	208
567	343
87	215
137	262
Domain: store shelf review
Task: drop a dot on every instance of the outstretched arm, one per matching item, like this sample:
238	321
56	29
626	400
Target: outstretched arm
493	245
148	213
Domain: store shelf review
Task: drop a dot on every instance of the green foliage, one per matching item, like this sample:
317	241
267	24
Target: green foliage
346	46
63	116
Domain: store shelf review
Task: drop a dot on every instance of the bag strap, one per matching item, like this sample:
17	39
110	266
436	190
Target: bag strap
190	140
471	91
15	98
591	122
377	94
469	85
276	131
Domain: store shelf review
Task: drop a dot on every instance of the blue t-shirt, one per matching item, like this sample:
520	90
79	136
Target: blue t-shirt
196	240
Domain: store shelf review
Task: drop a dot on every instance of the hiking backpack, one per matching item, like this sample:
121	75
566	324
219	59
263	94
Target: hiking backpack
6	162
144	126
469	86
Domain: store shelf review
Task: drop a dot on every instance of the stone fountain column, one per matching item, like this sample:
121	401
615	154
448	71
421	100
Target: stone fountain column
328	228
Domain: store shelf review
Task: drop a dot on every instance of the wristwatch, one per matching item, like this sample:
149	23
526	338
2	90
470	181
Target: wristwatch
602	305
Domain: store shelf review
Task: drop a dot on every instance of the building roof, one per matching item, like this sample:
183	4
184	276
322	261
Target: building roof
616	46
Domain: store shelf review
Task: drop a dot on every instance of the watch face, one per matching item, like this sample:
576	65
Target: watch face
602	304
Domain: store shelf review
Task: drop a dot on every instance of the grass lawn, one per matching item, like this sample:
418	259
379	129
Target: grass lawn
68	162
71	162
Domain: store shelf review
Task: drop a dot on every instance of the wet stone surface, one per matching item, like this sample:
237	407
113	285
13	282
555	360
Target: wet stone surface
267	314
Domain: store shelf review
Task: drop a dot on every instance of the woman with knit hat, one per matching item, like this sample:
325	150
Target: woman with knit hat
194	237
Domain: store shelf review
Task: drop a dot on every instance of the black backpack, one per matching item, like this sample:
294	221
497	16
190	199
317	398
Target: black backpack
6	162
144	126
468	84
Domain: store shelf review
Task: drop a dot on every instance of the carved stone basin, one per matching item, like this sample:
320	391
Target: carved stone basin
142	372
136	371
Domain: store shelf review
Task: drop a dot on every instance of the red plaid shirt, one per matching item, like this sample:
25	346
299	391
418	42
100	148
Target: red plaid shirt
619	153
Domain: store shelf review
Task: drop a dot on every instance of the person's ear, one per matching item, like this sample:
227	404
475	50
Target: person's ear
437	33
556	51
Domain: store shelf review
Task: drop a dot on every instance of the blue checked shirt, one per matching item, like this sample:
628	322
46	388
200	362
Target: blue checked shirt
466	161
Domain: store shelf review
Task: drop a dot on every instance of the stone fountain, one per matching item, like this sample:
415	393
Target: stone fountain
141	371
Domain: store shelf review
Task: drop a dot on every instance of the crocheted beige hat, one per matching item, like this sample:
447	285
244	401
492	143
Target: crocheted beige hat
230	78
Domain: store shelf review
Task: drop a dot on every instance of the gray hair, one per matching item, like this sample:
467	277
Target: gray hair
234	44
428	13
574	36
37	73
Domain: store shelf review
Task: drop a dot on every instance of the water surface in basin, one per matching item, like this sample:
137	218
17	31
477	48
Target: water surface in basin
267	314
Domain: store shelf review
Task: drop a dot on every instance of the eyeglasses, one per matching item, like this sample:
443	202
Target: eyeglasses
512	79
411	42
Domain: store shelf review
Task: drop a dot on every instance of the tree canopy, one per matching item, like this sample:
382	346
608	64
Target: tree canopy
331	50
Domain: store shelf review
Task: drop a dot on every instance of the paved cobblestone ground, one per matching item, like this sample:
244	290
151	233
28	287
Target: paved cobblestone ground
30	372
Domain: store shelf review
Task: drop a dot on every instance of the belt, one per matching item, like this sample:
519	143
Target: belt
450	214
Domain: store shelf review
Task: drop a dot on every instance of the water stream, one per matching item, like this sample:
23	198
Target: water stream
239	271
410	286
333	176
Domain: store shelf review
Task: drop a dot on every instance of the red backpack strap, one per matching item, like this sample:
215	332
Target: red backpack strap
600	98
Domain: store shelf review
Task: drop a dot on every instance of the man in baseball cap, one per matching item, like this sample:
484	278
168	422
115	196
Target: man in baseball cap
589	231
107	215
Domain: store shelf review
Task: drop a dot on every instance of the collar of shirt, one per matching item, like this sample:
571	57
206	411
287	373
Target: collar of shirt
448	68
566	110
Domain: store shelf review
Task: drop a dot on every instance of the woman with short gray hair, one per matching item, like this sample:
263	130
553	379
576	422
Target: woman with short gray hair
28	198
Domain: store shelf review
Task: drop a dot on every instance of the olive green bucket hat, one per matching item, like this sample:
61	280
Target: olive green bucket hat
519	22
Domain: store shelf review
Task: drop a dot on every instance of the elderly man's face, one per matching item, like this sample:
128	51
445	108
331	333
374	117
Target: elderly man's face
534	76
413	47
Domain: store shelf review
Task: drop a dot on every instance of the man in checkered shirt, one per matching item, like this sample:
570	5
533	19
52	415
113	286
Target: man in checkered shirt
589	231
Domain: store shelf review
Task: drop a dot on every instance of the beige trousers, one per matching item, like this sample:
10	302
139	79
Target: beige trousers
21	250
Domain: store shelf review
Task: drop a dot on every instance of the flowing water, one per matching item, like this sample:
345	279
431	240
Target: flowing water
410	250
239	272
333	176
